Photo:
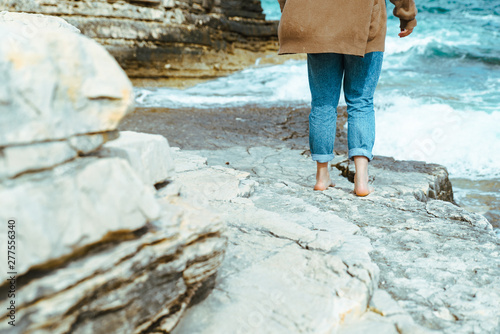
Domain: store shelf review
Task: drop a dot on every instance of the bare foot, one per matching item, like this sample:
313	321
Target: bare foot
323	180
323	184
361	187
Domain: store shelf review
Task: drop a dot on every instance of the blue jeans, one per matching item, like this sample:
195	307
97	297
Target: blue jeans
361	74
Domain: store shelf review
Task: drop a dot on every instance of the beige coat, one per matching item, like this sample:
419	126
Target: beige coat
353	27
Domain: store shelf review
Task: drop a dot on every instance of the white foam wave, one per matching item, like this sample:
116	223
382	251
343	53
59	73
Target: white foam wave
487	18
419	43
466	142
260	85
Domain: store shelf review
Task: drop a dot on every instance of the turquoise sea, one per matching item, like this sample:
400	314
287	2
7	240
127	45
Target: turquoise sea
438	98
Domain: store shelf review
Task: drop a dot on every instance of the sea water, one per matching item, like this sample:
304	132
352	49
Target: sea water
438	97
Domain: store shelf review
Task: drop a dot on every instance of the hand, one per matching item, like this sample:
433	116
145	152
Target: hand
405	32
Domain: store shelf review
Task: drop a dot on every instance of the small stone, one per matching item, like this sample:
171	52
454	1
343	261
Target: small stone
168	3
88	143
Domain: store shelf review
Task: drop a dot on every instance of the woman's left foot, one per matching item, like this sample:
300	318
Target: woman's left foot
323	185
323	180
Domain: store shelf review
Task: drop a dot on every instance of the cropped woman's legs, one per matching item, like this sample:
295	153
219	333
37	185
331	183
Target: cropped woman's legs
325	71
360	80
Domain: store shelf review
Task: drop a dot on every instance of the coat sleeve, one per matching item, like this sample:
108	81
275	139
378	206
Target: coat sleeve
406	11
282	4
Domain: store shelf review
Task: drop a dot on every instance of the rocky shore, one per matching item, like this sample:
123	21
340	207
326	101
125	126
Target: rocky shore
118	232
155	39
424	263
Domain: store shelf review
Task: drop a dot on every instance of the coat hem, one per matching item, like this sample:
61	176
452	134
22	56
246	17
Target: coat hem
348	51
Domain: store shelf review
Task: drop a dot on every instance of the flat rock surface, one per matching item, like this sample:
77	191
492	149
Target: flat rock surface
439	261
226	127
289	267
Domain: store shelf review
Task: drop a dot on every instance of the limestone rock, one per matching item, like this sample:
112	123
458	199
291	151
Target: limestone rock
438	263
425	181
85	144
283	271
450	211
149	155
141	283
62	94
102	253
64	210
27	26
18	159
162	38
280	275
218	184
186	161
56	83
168	3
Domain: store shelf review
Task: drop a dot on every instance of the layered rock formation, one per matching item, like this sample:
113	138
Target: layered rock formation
166	38
96	248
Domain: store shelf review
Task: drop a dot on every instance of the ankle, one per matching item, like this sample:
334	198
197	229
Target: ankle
322	168
322	165
361	174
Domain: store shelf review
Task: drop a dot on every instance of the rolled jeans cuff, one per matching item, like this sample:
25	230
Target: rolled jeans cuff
322	158
360	151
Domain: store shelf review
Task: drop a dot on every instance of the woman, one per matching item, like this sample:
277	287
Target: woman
342	39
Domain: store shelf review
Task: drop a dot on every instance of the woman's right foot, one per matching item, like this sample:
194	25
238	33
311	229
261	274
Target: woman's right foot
361	187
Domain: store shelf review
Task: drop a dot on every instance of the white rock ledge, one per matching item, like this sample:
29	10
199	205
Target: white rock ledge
149	155
18	159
